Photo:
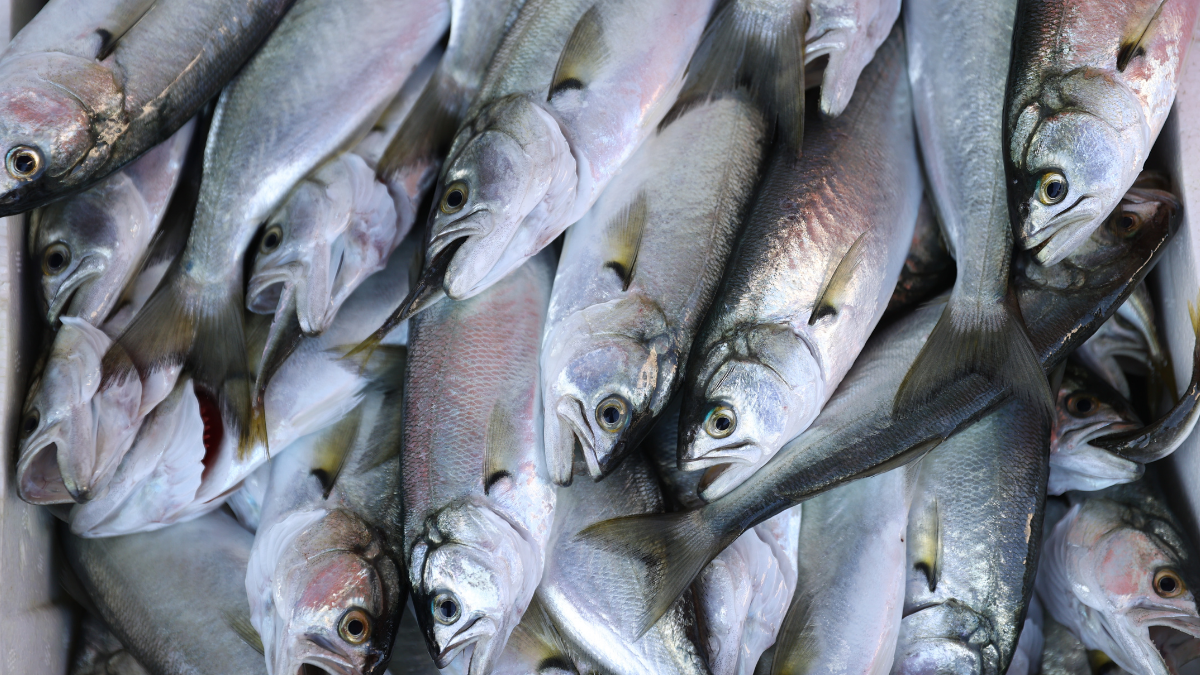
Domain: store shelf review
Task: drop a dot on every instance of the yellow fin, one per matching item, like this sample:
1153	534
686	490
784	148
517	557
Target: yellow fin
925	541
832	294
332	449
500	439
584	54
623	239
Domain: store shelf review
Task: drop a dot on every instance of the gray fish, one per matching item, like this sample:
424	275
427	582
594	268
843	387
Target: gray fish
1088	408
1090	88
270	129
478	503
847	32
99	652
1130	340
1062	652
808	281
628	298
859	432
87	87
973	538
175	597
1118	571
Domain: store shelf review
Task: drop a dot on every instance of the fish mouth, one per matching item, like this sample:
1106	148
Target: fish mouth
467	226
478	629
39	480
572	420
265	288
1074	225
724	468
1177	644
67	291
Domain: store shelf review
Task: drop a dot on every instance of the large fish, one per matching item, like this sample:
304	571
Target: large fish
1090	88
810	278
628	298
175	598
859	432
1119	572
88	86
847	32
269	130
974	532
478	502
325	578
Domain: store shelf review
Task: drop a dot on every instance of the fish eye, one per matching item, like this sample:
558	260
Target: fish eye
30	423
55	259
445	608
1052	188
271	239
1168	584
1125	224
23	162
721	421
1082	405
454	198
612	414
355	626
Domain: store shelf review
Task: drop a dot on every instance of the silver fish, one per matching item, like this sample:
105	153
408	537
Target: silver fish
811	276
1118	571
628	298
269	130
1062	652
91	246
175	597
847	32
86	87
99	652
1130	340
1090	88
478	503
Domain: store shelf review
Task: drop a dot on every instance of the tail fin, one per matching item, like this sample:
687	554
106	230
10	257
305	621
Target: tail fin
957	349
673	547
758	47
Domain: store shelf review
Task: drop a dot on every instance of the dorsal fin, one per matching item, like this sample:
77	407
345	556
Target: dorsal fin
623	239
332	449
925	540
832	294
1134	45
499	440
582	56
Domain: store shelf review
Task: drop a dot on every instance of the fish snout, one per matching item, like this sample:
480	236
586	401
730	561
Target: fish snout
572	428
39	480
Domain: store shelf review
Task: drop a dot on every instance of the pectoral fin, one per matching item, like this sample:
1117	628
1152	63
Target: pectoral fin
623	240
584	54
925	541
498	445
832	296
1134	44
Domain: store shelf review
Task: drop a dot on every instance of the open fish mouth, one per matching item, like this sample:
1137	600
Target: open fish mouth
39	478
1176	647
66	293
723	468
266	287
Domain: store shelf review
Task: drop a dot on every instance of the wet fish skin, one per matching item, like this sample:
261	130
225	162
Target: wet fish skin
848	32
1090	88
1099	577
478	503
1088	408
809	280
628	299
86	90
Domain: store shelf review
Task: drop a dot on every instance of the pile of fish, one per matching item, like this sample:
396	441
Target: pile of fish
506	337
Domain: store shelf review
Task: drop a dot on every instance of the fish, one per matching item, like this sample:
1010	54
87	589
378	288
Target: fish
90	246
195	318
974	534
1130	340
101	653
1118	572
928	270
1062	652
959	109
846	33
628	299
845	615
325	577
175	597
1088	93
1088	408
88	87
478	502
807	283
858	432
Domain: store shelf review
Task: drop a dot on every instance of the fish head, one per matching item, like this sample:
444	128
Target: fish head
1087	407
341	600
754	394
947	637
472	575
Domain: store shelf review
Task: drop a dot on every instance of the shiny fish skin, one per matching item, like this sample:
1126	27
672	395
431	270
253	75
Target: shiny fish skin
623	313
1075	113
848	32
478	503
1088	408
90	86
767	352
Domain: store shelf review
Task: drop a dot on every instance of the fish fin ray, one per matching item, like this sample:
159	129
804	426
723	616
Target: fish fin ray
623	239
584	52
831	296
1135	45
333	448
500	438
925	541
240	624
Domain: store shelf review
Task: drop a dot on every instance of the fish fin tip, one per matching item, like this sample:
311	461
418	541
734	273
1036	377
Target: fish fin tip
623	239
499	436
831	297
583	53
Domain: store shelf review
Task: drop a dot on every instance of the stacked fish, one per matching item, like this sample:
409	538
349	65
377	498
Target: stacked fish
736	337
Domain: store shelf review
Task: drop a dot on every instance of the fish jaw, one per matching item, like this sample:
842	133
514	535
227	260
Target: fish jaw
39	480
72	295
848	33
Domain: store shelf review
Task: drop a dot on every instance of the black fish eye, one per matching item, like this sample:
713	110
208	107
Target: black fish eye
1082	405
1126	224
445	608
55	259
355	626
721	421
454	198
271	239
23	162
612	413
30	423
1052	188
1168	584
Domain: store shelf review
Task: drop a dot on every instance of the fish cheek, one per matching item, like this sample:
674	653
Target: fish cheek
45	132
1126	561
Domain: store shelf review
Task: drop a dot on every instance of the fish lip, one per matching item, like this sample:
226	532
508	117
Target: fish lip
23	466
466	226
1165	651
570	415
263	280
324	661
66	292
469	634
1050	246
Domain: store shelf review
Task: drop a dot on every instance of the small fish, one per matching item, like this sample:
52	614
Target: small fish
1118	571
87	87
1090	87
1088	408
847	32
1130	340
808	282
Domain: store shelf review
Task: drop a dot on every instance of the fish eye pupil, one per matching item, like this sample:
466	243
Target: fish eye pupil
29	425
23	162
55	260
355	627
1084	405
447	608
722	423
454	198
1167	585
610	414
1054	189
272	240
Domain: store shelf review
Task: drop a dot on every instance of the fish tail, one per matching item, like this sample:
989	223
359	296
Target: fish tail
756	48
673	547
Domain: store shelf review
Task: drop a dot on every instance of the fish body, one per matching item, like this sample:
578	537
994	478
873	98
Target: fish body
847	32
628	298
175	597
811	276
928	270
478	502
1090	88
87	87
1118	571
1130	340
1088	408
973	538
1062	652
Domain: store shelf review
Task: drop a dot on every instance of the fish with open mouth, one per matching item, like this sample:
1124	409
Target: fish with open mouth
847	32
1130	341
1088	408
628	298
814	267
478	502
87	87
859	432
1089	90
1118	571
